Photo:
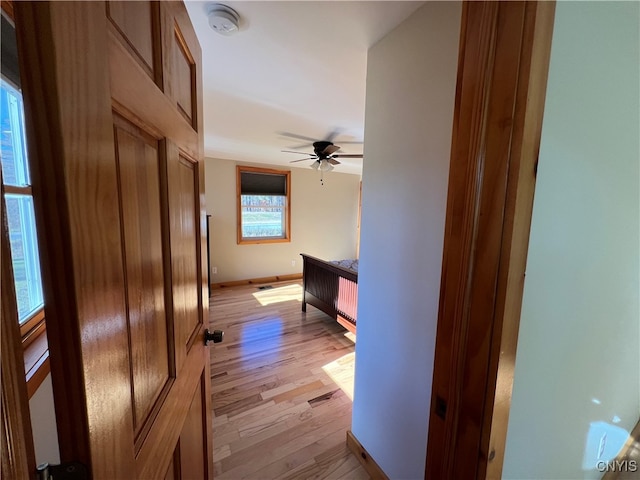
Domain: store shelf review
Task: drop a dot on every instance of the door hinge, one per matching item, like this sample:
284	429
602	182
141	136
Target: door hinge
64	471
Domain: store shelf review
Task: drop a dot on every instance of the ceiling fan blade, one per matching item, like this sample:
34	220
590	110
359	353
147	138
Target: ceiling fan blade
330	149
302	159
348	155
292	151
295	135
301	146
334	134
333	161
351	142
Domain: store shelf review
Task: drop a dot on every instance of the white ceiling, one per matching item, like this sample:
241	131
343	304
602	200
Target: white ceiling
294	66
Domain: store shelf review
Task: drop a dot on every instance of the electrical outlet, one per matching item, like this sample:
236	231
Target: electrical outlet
214	270
293	263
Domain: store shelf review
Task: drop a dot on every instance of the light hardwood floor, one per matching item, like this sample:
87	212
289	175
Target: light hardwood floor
282	384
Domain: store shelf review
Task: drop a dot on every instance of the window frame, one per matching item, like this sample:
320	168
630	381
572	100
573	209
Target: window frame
287	211
33	330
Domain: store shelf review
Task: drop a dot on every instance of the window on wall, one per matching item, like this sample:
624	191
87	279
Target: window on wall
19	201
18	197
263	205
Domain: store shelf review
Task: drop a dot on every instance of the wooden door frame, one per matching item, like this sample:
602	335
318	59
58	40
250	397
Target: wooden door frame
502	75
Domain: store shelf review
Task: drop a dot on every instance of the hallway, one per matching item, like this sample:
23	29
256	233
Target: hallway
282	385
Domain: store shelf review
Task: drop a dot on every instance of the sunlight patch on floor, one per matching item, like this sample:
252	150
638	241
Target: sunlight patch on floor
341	372
287	293
256	336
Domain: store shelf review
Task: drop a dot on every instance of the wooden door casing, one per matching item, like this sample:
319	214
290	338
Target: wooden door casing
502	72
119	187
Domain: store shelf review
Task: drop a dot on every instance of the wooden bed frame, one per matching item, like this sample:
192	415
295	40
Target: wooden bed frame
330	288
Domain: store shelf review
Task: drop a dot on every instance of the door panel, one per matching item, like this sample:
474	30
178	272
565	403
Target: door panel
138	24
119	178
155	456
140	100
183	185
184	72
193	437
138	161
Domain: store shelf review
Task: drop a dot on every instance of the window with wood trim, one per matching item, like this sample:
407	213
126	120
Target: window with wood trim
20	210
264	205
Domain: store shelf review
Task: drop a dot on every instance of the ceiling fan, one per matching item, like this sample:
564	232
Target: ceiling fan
324	154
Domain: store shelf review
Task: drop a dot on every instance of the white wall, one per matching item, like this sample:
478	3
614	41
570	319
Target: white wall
323	223
43	424
577	365
411	81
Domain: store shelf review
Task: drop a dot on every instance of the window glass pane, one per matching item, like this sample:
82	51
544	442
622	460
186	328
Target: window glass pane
13	147
24	252
263	216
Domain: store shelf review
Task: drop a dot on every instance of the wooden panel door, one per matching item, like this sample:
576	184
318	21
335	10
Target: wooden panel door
113	101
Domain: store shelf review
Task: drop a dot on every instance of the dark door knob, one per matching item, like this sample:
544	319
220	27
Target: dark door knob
216	336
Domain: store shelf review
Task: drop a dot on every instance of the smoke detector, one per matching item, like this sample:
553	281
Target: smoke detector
223	20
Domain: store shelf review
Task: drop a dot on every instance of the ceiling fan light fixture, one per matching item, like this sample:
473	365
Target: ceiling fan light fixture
325	166
223	19
315	165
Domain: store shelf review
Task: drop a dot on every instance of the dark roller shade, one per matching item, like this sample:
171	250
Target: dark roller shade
252	183
9	53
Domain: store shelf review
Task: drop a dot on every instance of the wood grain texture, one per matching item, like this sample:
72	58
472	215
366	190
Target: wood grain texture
138	165
18	190
32	326
69	121
154	457
79	73
281	386
36	360
494	91
171	472
184	75
180	45
525	145
181	18
193	437
183	186
7	7
140	101
16	449
138	26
